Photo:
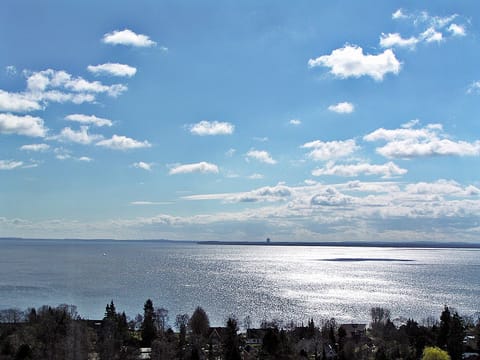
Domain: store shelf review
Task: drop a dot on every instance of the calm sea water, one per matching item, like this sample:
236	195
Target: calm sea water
289	283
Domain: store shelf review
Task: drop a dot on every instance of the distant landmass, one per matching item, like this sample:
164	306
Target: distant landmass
401	244
269	242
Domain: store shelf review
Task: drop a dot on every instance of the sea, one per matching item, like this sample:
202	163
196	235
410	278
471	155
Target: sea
281	283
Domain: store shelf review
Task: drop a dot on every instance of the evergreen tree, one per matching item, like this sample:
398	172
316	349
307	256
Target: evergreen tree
444	330
230	342
456	335
199	323
148	329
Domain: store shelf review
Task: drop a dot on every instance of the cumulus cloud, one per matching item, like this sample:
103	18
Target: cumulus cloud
89	119
80	137
431	35
204	128
39	82
295	122
427	141
113	69
143	165
22	125
395	40
457	30
386	170
330	196
327	150
201	167
10	164
17	102
398	14
342	108
474	87
129	38
120	142
350	61
35	147
262	156
442	187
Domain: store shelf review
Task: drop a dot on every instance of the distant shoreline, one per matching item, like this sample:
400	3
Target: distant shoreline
381	244
418	245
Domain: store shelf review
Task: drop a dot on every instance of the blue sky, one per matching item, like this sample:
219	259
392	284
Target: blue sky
242	120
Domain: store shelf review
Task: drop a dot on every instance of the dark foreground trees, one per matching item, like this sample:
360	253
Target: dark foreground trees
58	333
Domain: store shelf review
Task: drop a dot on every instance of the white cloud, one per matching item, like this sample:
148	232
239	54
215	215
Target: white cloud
118	142
80	137
427	141
22	125
17	102
85	159
114	69
399	14
350	61
10	164
474	87
330	196
201	167
143	165
89	119
342	108
256	176
442	187
457	30
261	155
396	40
150	203
204	127
386	170
11	70
260	139
328	150
39	82
129	38
431	35
275	193
35	147
230	152
295	122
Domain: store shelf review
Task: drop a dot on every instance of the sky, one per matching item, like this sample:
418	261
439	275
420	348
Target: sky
240	120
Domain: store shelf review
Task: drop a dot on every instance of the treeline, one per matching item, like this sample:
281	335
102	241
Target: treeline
60	333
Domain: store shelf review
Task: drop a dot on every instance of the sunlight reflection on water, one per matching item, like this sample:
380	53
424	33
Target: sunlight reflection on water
260	281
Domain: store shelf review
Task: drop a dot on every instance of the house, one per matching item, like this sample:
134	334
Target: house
355	332
255	336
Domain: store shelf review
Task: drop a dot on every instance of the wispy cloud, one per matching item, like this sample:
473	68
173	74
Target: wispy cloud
295	122
35	147
143	165
386	170
129	38
350	61
328	150
201	167
120	142
10	164
395	40
143	203
22	125
89	119
113	69
204	128
261	155
342	108
457	30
